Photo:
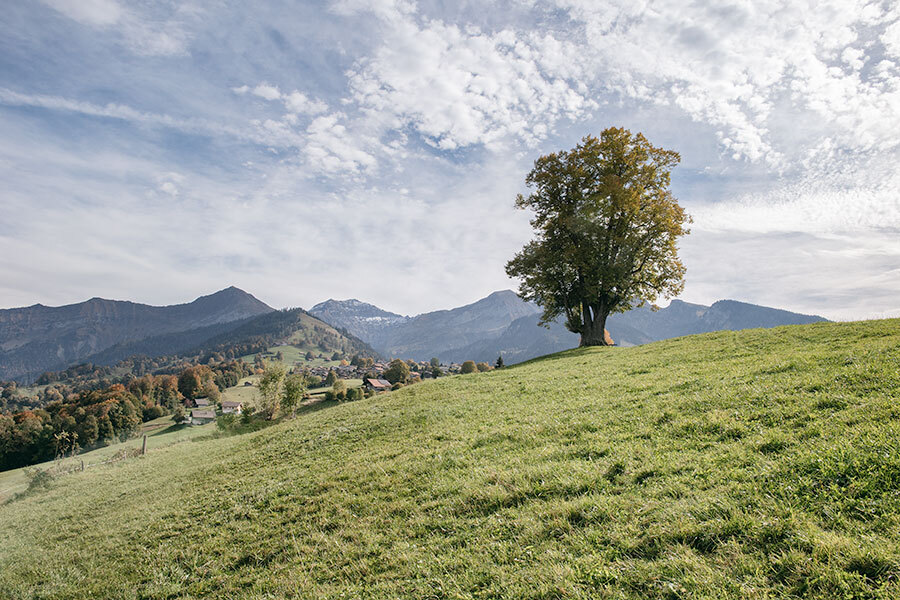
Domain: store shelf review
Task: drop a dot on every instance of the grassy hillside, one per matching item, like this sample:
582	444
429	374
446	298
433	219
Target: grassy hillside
755	464
160	432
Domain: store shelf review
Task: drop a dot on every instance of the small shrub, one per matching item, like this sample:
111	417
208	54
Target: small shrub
38	479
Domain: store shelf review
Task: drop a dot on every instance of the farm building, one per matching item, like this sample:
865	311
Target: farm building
378	385
230	406
200	416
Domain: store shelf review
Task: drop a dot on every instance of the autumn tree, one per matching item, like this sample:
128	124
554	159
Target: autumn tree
339	389
189	383
606	230
468	367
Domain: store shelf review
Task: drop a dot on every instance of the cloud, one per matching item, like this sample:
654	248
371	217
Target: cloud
461	86
269	92
156	31
790	85
97	13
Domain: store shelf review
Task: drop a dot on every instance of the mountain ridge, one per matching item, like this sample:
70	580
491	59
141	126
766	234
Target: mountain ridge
42	338
509	327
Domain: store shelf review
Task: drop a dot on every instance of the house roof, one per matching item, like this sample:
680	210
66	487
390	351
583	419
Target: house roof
378	383
203	414
231	404
202	401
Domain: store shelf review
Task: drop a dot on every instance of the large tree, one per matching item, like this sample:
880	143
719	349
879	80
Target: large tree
607	227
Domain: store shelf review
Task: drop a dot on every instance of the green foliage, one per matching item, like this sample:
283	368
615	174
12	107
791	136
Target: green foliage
468	367
397	371
271	390
435	362
607	227
499	363
482	367
294	389
754	464
331	377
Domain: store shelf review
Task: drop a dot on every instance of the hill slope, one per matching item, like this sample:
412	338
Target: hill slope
42	338
756	464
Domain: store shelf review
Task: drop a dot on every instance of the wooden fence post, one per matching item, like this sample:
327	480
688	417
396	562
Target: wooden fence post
144	445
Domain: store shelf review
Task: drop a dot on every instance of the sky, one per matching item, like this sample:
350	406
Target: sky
158	151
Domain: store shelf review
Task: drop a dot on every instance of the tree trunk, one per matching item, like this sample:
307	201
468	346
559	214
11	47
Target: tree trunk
593	332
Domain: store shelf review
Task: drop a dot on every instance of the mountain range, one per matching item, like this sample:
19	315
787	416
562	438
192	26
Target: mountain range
39	338
43	338
230	323
504	324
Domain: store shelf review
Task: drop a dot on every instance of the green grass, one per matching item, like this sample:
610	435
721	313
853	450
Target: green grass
758	464
292	355
248	394
160	432
317	393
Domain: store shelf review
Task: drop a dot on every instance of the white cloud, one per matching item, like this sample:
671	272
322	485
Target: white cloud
461	86
298	103
269	92
758	71
141	29
99	13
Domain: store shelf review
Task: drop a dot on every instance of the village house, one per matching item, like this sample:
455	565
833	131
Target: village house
377	385
202	402
230	406
202	416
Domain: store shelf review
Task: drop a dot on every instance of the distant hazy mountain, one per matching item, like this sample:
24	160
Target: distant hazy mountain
363	320
503	324
428	334
42	338
433	334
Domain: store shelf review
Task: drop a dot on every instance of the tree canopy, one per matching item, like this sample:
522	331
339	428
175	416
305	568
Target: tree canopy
606	228
397	371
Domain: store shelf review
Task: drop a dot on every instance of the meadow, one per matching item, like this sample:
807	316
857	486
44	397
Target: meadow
753	464
160	432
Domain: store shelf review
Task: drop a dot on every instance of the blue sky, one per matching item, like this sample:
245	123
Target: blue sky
156	151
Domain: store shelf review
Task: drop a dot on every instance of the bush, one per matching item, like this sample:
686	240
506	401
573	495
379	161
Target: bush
468	367
38	479
153	412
